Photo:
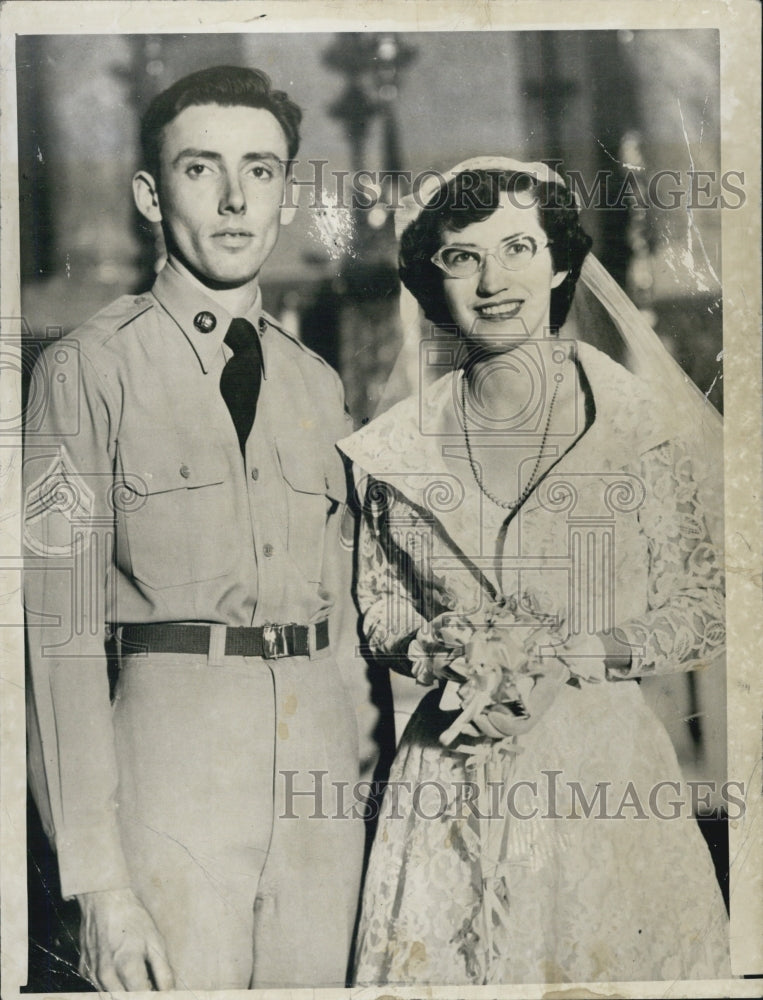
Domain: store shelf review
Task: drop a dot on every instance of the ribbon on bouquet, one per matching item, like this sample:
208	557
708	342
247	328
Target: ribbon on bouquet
493	762
498	666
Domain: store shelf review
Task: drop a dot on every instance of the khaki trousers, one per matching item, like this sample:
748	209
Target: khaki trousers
250	883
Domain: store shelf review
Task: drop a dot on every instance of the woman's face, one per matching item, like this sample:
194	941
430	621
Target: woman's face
496	308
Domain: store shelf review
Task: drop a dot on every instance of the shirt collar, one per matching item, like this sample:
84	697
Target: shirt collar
403	442
195	312
403	447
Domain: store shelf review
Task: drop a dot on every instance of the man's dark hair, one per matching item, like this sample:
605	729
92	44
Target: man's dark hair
229	86
473	196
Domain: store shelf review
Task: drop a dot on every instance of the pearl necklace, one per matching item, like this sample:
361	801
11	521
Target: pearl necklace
505	504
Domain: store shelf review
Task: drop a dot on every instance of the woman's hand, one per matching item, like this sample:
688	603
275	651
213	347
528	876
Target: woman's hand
586	656
436	645
499	720
583	656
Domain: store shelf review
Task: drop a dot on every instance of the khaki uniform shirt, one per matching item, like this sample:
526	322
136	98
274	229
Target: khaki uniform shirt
140	508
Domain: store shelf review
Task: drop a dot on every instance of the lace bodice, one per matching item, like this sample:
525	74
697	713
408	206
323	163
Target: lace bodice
613	539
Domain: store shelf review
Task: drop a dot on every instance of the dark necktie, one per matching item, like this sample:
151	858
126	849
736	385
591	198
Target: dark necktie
241	377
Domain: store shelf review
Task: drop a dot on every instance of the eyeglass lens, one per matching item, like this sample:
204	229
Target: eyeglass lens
511	254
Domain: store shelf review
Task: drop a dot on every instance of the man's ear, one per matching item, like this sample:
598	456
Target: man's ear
146	196
558	278
290	199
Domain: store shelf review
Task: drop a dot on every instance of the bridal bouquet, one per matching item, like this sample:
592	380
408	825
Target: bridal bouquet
496	663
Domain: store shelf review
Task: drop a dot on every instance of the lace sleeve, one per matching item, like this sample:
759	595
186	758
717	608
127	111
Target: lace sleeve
386	579
684	626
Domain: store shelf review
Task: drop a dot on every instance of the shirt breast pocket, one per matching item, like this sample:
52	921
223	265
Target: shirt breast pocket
315	486
174	521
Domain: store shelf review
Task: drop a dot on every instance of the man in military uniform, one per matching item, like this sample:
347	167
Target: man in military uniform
183	495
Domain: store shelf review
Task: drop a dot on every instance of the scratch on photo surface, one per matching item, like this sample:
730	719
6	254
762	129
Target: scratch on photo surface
620	163
753	576
702	119
748	841
7	680
740	535
7	467
580	993
55	900
718	376
69	966
209	877
690	214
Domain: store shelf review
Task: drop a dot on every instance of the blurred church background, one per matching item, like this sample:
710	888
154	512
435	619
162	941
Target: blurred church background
631	103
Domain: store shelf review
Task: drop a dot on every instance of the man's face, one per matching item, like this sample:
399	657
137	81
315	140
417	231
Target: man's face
221	185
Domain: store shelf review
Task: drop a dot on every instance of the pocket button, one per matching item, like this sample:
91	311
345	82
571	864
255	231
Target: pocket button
185	472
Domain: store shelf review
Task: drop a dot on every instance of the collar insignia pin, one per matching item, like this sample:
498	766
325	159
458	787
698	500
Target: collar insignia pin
204	322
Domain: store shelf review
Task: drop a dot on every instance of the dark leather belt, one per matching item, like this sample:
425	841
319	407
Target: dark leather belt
268	641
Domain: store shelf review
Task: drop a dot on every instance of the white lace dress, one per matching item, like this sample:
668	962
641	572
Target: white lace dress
571	853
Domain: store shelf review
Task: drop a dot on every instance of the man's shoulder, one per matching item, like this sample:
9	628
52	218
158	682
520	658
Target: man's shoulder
97	331
310	360
318	383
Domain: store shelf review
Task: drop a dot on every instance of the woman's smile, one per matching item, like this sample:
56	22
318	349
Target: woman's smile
498	311
500	303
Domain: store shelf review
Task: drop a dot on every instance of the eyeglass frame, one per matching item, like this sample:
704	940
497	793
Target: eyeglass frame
484	253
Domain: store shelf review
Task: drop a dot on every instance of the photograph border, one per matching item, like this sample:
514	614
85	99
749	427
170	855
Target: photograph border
738	22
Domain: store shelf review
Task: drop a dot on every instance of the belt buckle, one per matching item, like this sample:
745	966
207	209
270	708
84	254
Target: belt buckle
273	642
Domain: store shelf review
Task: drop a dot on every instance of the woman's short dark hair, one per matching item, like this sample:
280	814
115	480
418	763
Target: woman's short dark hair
473	196
229	86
